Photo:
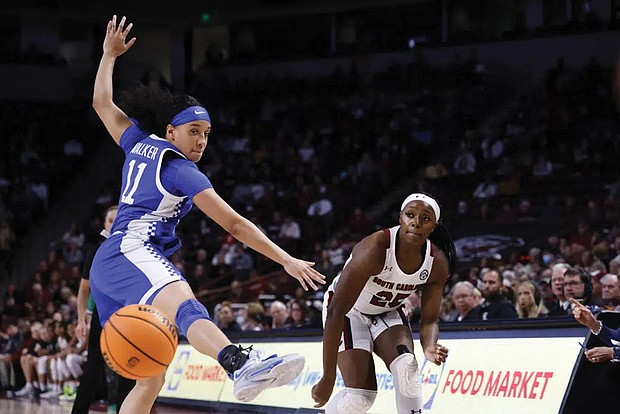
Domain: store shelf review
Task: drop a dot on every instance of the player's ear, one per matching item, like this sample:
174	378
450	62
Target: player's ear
170	132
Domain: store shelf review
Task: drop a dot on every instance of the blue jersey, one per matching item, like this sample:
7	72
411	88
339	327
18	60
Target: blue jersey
131	266
158	186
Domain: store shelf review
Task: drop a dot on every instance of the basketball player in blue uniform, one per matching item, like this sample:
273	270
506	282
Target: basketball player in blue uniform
363	311
160	183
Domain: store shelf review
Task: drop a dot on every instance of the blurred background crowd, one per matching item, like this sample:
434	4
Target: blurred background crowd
524	166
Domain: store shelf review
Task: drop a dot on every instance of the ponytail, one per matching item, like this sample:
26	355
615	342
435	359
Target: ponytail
441	238
154	107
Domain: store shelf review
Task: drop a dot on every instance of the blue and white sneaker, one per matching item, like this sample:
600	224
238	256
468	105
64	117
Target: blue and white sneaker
260	373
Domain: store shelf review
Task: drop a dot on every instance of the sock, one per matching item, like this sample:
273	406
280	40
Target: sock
231	359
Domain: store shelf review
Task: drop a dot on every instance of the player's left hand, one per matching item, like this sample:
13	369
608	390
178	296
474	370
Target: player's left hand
321	392
304	273
436	353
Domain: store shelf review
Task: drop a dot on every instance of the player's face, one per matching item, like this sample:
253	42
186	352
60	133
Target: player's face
191	138
417	220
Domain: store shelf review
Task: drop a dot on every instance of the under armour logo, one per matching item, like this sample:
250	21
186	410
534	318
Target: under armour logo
388	269
416	411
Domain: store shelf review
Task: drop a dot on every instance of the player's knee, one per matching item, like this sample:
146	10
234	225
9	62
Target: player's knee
189	312
406	375
151	386
352	401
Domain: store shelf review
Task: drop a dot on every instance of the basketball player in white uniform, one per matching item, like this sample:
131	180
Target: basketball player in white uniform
363	312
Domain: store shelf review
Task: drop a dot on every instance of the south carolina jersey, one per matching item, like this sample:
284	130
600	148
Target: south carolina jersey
387	290
151	204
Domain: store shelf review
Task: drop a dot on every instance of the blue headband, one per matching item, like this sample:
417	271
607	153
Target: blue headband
193	113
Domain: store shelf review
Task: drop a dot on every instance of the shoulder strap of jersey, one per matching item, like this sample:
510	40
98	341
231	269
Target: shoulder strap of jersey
388	236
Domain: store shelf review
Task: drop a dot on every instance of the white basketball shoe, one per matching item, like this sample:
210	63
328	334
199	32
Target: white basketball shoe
260	373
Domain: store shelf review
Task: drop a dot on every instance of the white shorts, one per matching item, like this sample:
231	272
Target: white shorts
361	330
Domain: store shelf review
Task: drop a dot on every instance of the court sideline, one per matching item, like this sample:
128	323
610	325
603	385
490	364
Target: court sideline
35	406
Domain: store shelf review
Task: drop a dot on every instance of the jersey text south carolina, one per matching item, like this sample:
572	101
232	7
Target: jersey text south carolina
145	150
388	289
406	287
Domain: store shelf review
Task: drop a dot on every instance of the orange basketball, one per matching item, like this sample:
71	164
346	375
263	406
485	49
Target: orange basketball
138	341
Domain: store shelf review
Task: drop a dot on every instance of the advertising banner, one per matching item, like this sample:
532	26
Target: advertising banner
481	375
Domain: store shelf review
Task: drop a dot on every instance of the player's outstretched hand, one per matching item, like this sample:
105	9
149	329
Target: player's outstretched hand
114	43
583	315
437	354
304	273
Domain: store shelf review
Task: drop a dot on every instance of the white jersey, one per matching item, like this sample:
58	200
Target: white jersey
387	290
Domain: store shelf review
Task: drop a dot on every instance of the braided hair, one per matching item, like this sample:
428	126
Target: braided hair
441	238
154	107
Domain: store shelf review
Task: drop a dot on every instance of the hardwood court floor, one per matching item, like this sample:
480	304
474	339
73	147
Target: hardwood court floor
23	406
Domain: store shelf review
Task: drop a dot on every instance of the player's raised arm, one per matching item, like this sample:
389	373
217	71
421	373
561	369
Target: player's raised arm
114	45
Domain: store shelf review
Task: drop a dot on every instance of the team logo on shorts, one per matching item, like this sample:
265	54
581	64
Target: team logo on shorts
424	274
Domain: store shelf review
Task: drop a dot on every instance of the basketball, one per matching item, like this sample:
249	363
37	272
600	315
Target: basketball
138	342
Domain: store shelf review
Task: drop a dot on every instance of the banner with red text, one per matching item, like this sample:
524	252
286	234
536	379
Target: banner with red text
482	375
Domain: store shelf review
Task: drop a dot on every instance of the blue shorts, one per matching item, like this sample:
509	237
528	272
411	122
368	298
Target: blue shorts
127	270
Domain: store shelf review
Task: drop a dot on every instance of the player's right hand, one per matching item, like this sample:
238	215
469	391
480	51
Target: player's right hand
114	43
321	392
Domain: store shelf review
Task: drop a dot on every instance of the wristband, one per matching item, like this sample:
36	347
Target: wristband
90	305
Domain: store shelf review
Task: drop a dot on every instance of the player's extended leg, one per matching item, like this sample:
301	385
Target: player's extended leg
251	372
395	347
358	372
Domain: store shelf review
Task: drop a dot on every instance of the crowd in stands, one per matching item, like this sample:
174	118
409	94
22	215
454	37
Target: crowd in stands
305	161
44	145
